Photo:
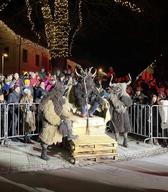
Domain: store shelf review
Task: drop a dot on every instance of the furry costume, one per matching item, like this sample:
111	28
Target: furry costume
120	101
55	110
52	107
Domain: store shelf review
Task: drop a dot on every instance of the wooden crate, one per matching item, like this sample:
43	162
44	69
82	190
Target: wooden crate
97	147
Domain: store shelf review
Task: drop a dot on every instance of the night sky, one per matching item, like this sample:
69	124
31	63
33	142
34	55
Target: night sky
111	34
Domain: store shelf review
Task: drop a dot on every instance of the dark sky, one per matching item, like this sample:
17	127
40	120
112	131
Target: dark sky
111	34
124	39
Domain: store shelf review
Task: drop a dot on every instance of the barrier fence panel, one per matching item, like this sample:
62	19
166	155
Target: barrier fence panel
159	121
23	119
18	120
140	120
2	120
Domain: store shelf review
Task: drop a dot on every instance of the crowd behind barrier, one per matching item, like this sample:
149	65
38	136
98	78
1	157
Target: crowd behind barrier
20	96
18	120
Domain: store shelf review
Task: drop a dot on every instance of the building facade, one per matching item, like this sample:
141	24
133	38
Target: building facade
23	55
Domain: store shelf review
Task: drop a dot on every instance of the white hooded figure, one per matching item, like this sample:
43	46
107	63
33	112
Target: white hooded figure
163	110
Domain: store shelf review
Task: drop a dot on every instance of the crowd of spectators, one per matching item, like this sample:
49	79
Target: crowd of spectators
39	83
16	88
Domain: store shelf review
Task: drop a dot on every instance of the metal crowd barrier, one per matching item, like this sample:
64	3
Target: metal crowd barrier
159	121
140	120
14	120
2	120
149	121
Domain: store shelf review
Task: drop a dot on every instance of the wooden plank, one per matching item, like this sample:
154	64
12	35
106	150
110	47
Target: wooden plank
97	157
95	147
94	152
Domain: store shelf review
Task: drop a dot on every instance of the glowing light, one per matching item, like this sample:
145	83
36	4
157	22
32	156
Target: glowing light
7	29
18	38
129	5
29	13
100	70
79	26
5	55
57	29
4	5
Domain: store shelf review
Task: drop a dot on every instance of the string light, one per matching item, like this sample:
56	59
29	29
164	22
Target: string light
78	27
57	29
4	5
29	13
7	29
18	38
125	3
29	43
129	5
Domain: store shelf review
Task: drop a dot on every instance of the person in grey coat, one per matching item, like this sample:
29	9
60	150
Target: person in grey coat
120	102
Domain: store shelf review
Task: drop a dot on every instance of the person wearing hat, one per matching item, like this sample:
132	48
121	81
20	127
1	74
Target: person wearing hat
140	116
27	86
139	97
28	110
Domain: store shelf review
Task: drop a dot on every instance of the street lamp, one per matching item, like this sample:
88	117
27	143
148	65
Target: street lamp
3	60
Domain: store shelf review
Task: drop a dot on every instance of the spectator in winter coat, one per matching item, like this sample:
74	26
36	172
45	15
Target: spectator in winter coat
2	113
40	92
139	97
13	99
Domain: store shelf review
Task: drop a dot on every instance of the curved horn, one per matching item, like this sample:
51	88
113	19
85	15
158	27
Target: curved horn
90	69
110	84
79	75
93	74
130	79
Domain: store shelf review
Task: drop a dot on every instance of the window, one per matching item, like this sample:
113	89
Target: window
37	60
25	55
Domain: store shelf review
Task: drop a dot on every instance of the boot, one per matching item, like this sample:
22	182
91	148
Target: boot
125	142
64	142
27	139
44	152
